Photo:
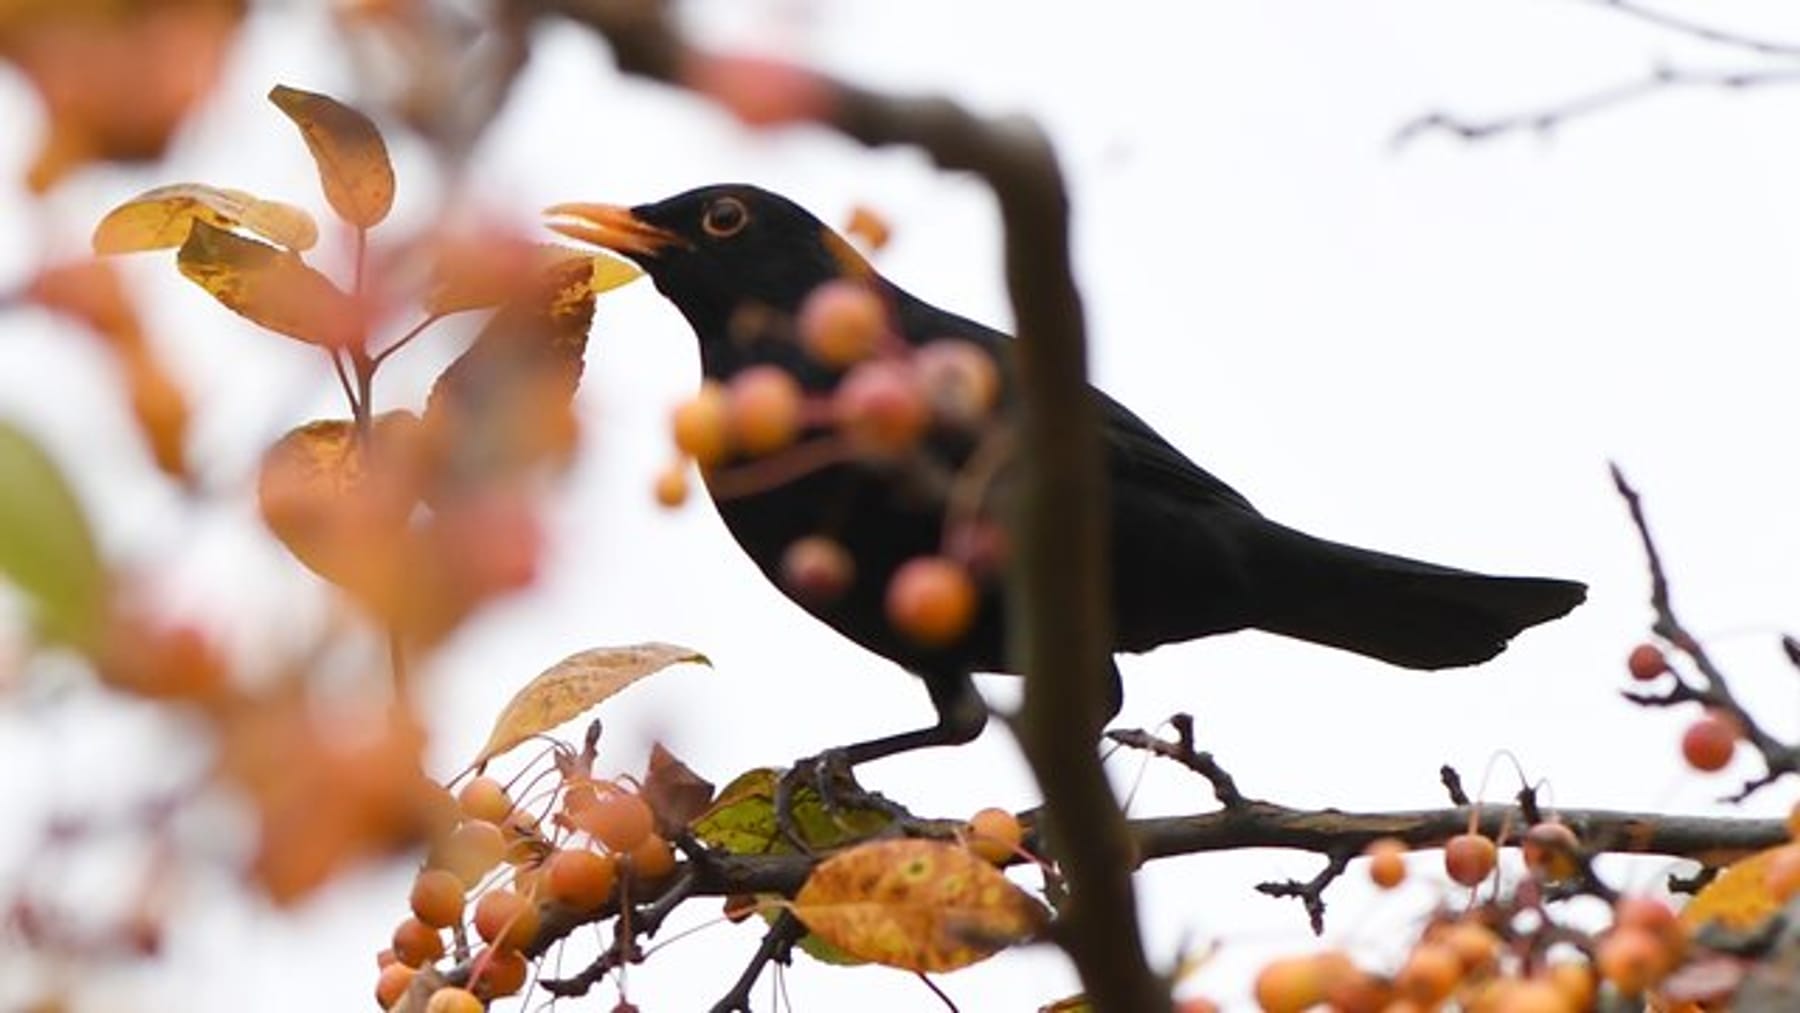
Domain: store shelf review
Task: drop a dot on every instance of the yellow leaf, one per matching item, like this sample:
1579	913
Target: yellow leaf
919	905
352	158
612	272
479	272
575	684
1740	898
161	218
46	548
268	286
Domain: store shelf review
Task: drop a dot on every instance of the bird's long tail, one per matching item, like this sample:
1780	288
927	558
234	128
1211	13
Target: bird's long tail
1402	611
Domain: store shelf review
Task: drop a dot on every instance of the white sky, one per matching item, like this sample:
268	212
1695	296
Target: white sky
1433	352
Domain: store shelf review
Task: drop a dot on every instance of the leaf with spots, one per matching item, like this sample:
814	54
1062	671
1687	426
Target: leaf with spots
162	218
352	158
919	905
268	286
573	685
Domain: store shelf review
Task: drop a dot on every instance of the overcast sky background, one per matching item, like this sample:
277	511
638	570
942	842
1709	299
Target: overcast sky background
1432	351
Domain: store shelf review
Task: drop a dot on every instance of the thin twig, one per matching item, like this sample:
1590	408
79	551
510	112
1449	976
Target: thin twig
1225	789
776	944
1311	894
1694	29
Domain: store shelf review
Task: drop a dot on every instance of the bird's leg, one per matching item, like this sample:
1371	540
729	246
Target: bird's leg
962	715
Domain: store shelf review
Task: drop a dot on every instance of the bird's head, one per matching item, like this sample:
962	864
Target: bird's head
719	250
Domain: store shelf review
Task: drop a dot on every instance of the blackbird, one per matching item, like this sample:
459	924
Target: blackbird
1190	556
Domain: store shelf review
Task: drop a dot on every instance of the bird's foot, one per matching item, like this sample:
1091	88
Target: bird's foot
819	805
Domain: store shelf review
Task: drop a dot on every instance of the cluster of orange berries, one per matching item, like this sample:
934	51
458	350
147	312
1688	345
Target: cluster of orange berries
602	831
1708	743
889	397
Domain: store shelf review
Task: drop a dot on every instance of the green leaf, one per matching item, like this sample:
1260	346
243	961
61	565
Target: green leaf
46	548
161	218
352	158
742	819
268	286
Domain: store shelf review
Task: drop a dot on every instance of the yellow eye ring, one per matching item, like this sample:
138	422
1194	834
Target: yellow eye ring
725	217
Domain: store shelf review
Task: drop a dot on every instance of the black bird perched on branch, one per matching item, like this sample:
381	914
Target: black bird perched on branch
1190	556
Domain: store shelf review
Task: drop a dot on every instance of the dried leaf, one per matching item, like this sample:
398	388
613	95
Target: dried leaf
1738	898
575	684
506	406
352	158
161	219
268	286
46	548
675	794
919	905
340	516
484	271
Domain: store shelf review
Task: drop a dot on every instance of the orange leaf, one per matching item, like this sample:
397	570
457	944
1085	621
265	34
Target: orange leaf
575	684
161	218
920	905
484	271
1741	897
268	286
338	515
352	158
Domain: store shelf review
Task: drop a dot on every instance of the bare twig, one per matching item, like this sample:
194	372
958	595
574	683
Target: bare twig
776	945
1713	691
1545	120
1696	30
1311	893
1453	784
1182	751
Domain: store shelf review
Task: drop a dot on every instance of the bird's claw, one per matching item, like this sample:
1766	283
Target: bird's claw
831	780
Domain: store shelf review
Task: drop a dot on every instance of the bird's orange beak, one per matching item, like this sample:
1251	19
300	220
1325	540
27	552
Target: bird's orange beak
612	227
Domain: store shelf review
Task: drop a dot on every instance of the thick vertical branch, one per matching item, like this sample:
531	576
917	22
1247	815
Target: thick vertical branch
1058	598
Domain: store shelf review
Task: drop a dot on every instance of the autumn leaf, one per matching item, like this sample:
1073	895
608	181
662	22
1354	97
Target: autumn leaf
162	218
268	286
506	405
919	905
46	548
472	273
340	513
573	685
352	158
1741	897
674	793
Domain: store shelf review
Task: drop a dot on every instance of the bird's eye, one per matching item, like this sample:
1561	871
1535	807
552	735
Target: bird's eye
725	217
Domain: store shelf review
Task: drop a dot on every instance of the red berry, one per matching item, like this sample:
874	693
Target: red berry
763	405
841	323
960	381
1469	858
494	973
881	407
1709	742
932	600
817	570
1646	662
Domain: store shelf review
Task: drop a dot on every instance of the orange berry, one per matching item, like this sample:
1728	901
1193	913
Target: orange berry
994	834
580	879
437	898
505	919
1293	984
1474	944
1430	974
1387	862
1575	981
841	323
384	958
1469	858
416	943
453	1000
881	408
960	381
1631	959
1646	662
1197	1004
392	984
817	570
485	799
701	425
932	600
495	973
1782	875
1709	742
672	484
471	850
1515	995
1793	822
1550	849
617	819
763	407
651	859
